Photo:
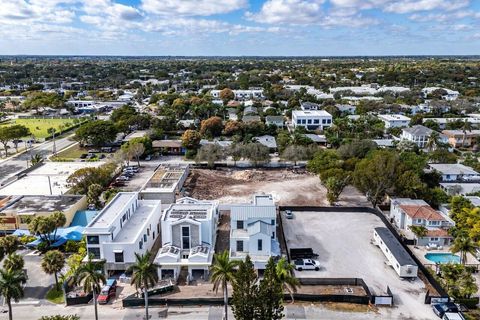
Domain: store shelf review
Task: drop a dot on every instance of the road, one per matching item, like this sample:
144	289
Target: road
15	164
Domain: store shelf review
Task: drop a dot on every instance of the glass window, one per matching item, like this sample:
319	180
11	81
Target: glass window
148	231
239	224
145	237
93	240
309	121
316	121
239	245
304	121
260	245
299	121
186	237
118	256
140	245
324	121
95	252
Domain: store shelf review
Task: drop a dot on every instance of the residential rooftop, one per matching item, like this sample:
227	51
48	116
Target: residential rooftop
108	215
400	254
311	113
34	204
137	220
453	168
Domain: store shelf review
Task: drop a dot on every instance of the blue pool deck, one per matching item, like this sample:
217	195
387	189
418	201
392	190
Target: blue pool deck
83	217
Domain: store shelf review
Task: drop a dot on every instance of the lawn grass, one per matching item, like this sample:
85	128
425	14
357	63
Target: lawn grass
73	153
55	296
39	127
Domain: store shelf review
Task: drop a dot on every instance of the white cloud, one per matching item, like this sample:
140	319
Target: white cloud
289	11
408	6
192	7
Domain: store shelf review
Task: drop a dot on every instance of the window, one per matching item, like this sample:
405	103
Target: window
329	120
324	121
304	121
124	217
240	246
309	121
434	239
273	235
95	252
153	234
118	256
145	237
239	224
185	237
316	121
260	245
419	220
140	245
158	227
93	240
299	121
434	223
272	222
148	231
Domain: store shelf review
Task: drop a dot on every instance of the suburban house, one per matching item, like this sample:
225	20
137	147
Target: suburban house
455	172
460	188
274	120
124	227
165	183
394	120
346	108
250	110
241	94
398	258
267	141
460	138
253	231
168	147
448	94
248	119
312	120
419	135
443	122
188	239
308	106
412	212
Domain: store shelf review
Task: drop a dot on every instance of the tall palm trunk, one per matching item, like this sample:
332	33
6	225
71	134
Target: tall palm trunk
9	303
145	295
95	304
56	281
225	299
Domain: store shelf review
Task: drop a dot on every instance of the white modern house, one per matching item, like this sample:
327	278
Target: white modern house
455	172
448	94
188	239
253	231
306	105
394	120
311	120
124	227
415	212
419	135
397	257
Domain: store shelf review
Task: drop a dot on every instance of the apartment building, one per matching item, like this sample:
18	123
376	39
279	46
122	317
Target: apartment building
312	119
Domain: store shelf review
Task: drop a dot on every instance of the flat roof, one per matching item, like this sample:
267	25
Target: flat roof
189	208
393	117
453	168
399	252
165	178
108	214
137	220
313	113
33	204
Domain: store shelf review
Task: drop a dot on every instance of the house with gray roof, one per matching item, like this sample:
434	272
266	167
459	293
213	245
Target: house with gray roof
275	120
267	141
253	231
419	135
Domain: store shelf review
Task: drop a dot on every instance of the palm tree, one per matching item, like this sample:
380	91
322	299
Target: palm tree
52	263
14	261
222	272
467	126
284	271
144	275
432	142
91	278
463	245
11	282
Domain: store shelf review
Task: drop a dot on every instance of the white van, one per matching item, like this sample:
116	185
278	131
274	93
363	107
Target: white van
453	316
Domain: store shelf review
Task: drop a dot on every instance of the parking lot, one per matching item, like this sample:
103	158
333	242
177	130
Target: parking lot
144	173
342	241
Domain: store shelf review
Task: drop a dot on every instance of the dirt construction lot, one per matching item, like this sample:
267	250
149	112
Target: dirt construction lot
342	241
287	187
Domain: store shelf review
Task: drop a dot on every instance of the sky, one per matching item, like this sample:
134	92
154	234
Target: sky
240	27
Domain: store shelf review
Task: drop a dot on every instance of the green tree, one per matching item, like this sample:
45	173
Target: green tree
5	138
8	245
13	261
210	153
464	245
93	195
222	272
211	127
244	297
235	150
144	275
284	271
96	133
11	287
52	263
80	180
376	174
17	132
270	295
226	95
44	226
90	277
256	153
418	231
295	153
335	186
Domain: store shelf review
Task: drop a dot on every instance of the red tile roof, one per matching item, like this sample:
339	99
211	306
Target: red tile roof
439	233
422	212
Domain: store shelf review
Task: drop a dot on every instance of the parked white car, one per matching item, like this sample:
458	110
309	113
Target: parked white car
307	264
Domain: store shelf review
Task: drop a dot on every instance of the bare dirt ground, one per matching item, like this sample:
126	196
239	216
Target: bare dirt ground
287	187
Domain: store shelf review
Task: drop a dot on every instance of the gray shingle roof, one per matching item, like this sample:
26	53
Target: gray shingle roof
400	254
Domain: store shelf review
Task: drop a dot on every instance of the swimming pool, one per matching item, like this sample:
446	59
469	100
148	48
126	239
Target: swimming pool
442	257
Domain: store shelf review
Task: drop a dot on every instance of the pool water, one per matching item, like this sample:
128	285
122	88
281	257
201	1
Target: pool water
83	217
442	257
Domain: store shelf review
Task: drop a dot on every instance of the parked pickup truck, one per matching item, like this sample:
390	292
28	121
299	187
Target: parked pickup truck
307	264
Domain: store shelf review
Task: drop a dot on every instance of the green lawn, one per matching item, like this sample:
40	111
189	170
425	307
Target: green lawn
38	127
55	296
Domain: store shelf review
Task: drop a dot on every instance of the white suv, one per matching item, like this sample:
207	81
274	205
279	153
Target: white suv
307	264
